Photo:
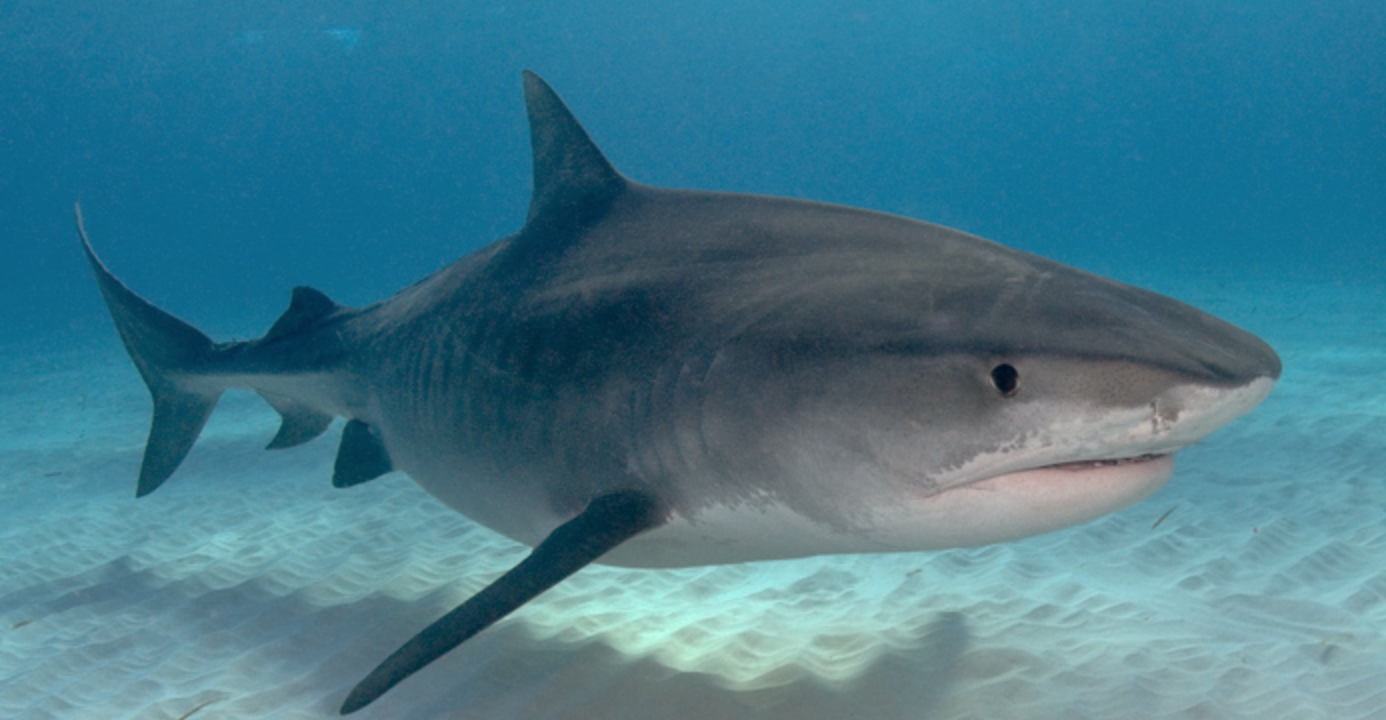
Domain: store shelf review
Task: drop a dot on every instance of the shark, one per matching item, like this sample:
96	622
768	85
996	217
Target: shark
651	377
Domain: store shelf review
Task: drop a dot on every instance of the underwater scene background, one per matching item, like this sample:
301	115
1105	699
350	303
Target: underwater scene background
1230	154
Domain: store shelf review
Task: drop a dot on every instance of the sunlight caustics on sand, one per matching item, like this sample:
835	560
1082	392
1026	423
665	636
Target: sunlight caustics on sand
1253	586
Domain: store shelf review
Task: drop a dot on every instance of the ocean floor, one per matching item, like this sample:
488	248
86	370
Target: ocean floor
247	587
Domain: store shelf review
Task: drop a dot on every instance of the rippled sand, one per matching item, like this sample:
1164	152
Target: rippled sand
249	588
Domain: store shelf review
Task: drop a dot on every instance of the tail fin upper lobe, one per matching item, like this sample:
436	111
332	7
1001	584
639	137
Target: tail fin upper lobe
168	353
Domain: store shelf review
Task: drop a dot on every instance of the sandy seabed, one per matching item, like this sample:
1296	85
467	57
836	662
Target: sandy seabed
248	587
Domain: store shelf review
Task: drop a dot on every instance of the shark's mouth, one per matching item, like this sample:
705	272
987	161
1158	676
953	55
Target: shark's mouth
1029	502
1082	465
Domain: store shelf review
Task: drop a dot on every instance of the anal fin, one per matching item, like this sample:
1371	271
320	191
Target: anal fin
361	457
607	522
298	423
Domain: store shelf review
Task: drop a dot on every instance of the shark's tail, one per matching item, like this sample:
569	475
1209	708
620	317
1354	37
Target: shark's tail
168	353
187	372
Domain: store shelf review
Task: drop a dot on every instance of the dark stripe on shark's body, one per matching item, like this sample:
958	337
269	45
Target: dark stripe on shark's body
659	378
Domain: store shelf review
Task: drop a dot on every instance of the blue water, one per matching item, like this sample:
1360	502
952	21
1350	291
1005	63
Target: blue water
224	152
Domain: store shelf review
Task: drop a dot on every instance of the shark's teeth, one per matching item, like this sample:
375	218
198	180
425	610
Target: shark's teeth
1087	464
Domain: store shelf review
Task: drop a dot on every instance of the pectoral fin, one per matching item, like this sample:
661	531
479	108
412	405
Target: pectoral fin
607	522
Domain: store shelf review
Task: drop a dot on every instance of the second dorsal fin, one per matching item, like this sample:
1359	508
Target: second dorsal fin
305	307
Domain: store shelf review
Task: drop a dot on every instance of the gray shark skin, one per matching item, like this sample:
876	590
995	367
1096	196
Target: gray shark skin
659	378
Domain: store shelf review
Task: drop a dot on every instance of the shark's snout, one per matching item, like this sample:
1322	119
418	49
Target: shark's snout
1226	371
1239	357
1185	414
1210	349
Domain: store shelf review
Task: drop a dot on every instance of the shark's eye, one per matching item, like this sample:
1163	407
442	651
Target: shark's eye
1006	379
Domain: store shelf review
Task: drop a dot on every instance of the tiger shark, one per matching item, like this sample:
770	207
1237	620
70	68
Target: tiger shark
658	378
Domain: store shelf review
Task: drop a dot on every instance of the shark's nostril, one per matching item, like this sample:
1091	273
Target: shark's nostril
1160	422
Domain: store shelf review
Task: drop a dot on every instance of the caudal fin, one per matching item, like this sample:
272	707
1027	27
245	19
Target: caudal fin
169	354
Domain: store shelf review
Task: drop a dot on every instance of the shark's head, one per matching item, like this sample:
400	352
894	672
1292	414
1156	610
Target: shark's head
929	389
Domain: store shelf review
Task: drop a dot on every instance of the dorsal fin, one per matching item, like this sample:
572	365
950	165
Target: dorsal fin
573	181
306	307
